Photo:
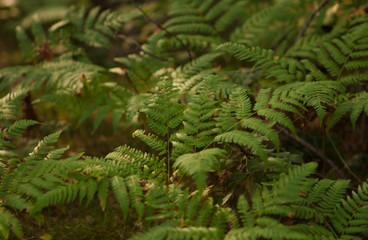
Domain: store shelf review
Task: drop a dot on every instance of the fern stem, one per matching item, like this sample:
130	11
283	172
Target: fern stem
324	148
168	159
343	66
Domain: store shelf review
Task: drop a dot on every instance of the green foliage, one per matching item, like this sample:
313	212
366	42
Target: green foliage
198	164
210	89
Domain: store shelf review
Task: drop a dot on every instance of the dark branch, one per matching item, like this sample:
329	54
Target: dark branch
312	149
131	83
163	29
365	8
140	47
315	11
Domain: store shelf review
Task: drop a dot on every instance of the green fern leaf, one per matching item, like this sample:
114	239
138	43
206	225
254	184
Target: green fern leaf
121	194
25	44
100	115
278	117
135	194
244	210
17	128
43	147
16	201
103	192
261	127
244	139
198	164
152	140
91	190
9	222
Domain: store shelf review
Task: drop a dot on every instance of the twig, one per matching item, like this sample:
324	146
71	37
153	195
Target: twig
123	37
315	11
343	161
162	28
131	83
314	150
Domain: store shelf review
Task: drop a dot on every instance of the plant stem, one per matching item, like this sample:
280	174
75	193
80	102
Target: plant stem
314	150
314	13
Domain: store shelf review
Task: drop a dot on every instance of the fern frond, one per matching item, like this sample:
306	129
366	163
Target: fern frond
284	70
199	28
198	128
10	106
261	127
245	211
343	55
198	164
103	192
152	140
135	194
350	217
162	111
166	232
242	104
9	222
91	29
281	200
223	22
121	194
183	20
17	128
43	147
332	197
139	163
198	64
25	44
278	117
356	106
16	202
243	138
91	190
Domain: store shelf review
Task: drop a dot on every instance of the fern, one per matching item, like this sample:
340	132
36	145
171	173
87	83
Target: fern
198	164
151	140
342	56
243	139
349	217
356	106
198	128
67	77
163	232
161	112
283	69
9	221
258	221
213	165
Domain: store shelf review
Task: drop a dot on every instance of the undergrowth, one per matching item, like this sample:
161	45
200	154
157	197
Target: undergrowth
238	112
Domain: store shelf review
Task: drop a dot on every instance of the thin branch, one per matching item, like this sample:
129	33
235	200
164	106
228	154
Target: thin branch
163	29
123	37
315	11
343	161
311	148
131	83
